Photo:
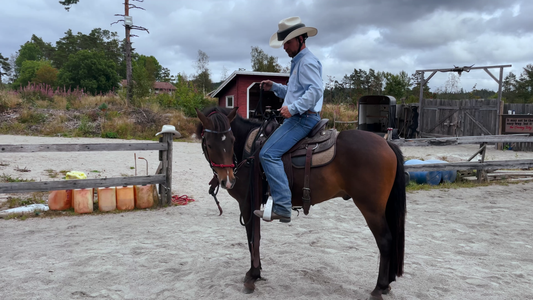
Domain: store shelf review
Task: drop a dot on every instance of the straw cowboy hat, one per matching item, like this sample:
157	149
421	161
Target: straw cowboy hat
169	129
290	28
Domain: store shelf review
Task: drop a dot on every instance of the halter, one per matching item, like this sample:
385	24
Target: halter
213	164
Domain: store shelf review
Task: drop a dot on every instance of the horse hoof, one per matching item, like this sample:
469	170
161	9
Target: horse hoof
375	297
249	287
248	291
386	291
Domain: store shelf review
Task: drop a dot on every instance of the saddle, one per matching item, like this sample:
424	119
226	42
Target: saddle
317	149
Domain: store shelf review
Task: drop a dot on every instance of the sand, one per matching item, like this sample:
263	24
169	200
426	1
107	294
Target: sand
470	243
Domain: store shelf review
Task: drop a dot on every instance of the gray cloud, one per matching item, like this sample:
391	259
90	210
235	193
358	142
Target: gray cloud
383	35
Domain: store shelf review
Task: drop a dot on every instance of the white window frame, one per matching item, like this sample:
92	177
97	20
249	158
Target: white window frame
232	101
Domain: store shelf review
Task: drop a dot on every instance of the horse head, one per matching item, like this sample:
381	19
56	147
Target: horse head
217	144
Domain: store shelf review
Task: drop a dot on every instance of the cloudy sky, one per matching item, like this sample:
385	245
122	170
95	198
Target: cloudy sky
389	36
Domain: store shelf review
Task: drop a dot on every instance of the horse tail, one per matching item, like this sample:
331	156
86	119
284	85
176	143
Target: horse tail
395	214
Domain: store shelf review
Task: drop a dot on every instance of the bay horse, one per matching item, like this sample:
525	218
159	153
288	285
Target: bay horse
366	168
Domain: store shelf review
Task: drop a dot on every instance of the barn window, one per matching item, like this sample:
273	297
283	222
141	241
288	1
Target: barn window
229	101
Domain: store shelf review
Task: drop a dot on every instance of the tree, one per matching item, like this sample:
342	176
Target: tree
397	85
28	72
46	74
28	51
262	62
203	77
68	3
146	70
98	40
5	68
90	70
47	50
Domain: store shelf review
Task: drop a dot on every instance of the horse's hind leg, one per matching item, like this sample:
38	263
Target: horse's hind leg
378	225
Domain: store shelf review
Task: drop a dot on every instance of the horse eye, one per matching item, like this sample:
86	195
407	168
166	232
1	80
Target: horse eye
209	146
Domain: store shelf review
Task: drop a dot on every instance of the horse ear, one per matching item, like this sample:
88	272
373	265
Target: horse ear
232	114
205	121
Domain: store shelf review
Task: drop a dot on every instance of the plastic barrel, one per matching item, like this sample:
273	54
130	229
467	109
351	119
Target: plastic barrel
448	175
421	177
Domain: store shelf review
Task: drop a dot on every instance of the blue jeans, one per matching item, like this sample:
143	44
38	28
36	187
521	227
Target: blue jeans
282	140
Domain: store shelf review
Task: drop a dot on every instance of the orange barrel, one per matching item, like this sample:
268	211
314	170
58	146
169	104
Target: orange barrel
144	196
107	199
60	200
125	197
83	200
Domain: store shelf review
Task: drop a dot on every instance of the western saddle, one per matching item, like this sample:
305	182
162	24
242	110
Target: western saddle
317	149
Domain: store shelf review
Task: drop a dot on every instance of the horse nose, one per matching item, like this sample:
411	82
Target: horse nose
227	184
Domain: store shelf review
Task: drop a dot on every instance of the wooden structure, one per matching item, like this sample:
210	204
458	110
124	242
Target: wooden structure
459	70
241	89
480	166
163	176
376	113
459	117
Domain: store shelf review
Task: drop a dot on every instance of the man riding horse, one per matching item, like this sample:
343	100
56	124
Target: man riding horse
301	110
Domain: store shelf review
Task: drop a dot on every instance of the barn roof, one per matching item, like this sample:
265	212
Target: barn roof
249	73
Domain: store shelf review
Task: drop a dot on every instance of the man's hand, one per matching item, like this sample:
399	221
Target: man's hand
266	85
284	111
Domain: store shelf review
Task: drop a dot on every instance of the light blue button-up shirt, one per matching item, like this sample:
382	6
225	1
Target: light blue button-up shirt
305	88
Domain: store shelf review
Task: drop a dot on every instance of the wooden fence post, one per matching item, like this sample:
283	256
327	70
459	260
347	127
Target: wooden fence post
169	138
166	164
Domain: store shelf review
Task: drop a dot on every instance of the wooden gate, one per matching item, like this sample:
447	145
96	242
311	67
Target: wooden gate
460	117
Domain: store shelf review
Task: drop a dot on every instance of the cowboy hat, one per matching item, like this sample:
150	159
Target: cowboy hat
290	28
169	129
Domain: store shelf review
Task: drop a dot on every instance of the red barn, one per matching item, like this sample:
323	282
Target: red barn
241	89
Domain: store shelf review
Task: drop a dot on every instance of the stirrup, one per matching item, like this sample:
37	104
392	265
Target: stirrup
267	213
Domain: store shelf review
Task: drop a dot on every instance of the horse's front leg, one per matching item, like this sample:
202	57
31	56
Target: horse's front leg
254	236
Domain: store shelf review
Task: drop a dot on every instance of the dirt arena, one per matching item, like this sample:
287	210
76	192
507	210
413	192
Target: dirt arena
471	243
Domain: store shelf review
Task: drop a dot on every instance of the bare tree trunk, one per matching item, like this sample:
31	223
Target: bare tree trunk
129	95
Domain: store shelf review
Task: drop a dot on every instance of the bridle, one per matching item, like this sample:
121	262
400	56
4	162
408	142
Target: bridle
204	148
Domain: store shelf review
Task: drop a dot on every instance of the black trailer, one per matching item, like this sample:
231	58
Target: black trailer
377	113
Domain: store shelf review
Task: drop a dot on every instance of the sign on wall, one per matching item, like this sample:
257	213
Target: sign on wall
517	124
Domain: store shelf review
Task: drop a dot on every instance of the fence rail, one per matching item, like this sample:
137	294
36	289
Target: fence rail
480	166
495	164
82	147
44	186
163	176
444	141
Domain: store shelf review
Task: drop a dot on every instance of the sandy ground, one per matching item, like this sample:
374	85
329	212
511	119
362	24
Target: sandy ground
473	243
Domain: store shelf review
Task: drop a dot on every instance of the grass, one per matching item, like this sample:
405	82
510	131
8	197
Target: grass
8	178
52	173
33	198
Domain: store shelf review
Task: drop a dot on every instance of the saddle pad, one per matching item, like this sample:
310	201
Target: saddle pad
317	160
250	141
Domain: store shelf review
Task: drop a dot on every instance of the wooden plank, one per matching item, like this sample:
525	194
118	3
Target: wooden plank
82	147
485	130
43	186
515	138
496	164
500	174
169	139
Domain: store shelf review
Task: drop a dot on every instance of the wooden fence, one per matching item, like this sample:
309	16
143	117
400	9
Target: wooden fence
480	166
163	176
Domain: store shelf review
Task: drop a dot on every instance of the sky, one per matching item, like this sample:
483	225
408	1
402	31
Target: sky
389	36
